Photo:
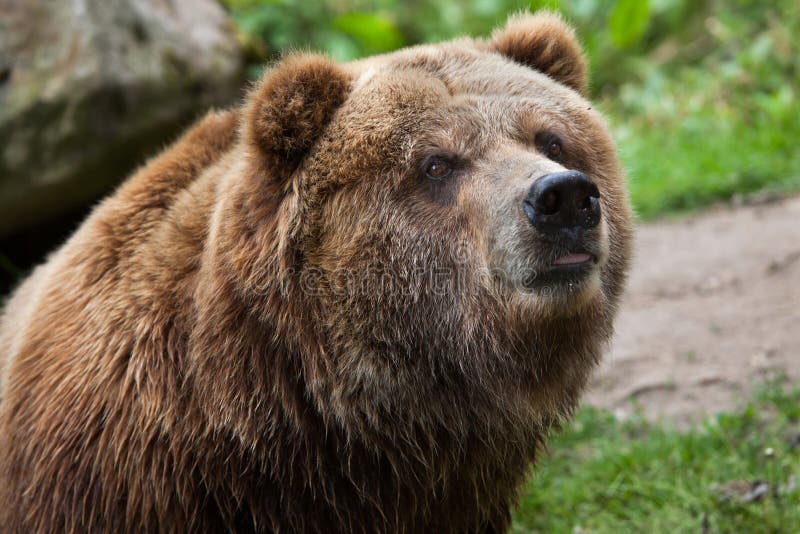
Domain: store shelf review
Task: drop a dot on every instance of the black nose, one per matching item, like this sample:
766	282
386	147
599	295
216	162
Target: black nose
562	200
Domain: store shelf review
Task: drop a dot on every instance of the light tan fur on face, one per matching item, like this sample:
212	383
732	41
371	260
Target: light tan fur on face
278	324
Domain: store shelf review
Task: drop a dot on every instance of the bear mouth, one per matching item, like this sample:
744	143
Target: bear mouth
573	259
565	268
570	267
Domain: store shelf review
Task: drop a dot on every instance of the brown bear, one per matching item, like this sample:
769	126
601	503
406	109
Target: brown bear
358	303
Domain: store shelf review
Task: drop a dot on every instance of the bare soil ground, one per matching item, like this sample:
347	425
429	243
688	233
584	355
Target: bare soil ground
712	309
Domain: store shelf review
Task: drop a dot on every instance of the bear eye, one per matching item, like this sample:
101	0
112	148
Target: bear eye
550	145
554	149
438	169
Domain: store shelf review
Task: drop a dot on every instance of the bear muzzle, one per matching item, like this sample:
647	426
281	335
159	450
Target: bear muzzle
563	210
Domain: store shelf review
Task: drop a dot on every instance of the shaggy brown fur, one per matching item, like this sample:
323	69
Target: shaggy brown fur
281	324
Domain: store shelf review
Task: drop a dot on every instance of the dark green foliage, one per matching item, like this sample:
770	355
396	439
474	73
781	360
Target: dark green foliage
628	21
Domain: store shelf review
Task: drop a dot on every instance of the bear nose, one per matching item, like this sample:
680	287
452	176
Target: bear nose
562	200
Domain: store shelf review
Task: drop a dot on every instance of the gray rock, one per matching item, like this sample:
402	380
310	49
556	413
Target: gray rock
89	87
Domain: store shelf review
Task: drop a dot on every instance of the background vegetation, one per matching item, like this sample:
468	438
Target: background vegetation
702	95
733	473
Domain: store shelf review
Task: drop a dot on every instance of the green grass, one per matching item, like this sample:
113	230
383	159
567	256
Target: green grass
695	139
684	166
605	475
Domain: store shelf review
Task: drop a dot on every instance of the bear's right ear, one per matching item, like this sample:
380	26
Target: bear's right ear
290	106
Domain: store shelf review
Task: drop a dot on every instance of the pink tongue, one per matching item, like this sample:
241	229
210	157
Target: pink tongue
569	259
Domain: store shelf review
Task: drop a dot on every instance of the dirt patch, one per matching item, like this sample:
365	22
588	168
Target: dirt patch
712	309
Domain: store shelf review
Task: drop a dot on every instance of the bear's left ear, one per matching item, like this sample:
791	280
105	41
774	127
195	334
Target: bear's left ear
544	42
289	108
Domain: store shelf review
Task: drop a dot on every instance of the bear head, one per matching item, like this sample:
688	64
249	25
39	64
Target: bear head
442	232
